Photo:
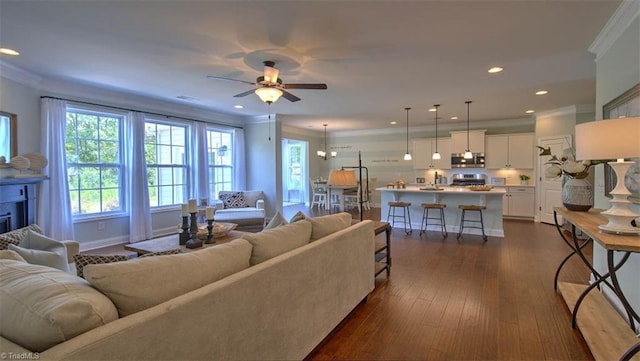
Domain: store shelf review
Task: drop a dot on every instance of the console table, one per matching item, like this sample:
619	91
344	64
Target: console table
608	334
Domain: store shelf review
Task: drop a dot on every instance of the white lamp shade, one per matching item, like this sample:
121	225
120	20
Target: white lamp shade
608	139
268	95
407	156
342	177
468	155
435	155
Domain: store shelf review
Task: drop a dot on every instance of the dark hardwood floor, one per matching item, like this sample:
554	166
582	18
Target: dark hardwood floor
447	300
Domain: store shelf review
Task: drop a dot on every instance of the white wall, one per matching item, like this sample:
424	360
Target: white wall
617	70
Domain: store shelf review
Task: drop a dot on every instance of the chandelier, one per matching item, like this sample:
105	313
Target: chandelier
323	153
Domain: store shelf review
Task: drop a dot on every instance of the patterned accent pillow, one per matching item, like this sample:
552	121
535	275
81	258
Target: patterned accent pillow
16	236
83	260
162	253
233	199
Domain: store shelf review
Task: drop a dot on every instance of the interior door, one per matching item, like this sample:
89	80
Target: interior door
550	189
294	171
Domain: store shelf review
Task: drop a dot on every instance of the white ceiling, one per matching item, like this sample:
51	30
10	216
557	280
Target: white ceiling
377	57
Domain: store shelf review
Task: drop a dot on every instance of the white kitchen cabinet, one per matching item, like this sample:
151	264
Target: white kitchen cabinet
476	141
423	150
519	202
510	151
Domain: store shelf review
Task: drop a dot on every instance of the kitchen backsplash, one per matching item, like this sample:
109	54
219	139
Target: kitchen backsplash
511	176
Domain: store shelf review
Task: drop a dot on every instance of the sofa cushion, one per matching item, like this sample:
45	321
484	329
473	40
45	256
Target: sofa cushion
42	306
233	199
141	283
16	236
273	242
39	249
325	225
9	254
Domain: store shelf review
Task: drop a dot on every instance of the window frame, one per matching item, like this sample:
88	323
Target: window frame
212	168
119	165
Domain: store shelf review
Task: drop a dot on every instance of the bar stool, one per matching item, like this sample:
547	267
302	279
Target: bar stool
471	208
425	217
405	214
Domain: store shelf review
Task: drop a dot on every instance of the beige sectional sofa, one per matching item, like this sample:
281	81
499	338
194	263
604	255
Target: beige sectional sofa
274	295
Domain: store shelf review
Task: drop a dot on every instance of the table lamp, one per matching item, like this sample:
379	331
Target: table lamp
613	139
342	178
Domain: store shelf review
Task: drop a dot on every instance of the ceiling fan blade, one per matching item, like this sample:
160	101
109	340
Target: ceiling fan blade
290	97
244	94
304	86
228	79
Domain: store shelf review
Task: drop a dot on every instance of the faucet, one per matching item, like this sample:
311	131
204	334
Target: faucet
435	179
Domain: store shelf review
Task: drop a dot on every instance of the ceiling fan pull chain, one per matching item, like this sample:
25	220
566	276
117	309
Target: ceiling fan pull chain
269	112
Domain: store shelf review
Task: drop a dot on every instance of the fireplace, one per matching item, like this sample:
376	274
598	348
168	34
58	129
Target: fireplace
17	202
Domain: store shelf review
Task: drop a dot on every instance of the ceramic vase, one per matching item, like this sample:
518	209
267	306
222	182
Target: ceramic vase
577	195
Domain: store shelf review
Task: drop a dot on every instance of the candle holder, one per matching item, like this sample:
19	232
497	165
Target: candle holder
194	242
210	239
184	235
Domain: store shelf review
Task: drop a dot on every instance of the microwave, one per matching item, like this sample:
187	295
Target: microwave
458	161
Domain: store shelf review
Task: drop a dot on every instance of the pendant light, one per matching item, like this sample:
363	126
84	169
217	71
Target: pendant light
436	155
407	155
467	153
323	153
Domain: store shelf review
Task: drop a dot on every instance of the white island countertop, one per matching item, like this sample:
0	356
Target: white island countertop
441	189
452	197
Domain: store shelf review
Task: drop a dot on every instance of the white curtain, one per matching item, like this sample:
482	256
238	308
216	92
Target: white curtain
54	205
136	190
240	173
200	170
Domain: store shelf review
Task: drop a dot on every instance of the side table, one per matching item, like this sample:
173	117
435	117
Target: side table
599	321
383	249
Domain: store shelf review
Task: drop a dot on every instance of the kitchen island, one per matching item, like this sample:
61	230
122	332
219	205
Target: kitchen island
452	197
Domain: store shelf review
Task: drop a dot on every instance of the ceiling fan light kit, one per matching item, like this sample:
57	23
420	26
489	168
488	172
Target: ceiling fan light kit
268	95
270	86
467	153
407	155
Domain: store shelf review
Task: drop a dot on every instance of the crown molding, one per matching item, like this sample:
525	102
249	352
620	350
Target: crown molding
19	75
621	19
569	110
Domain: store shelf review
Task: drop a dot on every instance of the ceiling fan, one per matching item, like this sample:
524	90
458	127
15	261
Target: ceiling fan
270	86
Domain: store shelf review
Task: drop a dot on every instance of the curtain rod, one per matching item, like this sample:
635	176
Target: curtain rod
136	110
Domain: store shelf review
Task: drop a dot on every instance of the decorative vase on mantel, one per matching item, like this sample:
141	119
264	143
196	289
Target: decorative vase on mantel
577	194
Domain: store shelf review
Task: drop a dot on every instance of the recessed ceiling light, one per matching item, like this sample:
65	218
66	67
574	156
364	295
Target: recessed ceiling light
495	69
393	123
454	118
432	109
8	51
542	92
238	106
530	111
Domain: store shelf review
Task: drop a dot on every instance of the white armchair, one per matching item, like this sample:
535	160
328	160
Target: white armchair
244	208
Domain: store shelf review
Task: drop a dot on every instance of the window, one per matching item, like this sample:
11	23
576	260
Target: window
165	148
220	160
94	161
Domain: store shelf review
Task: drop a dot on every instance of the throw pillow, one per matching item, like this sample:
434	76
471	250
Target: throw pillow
273	242
277	221
233	199
158	279
16	236
36	248
42	306
297	217
12	255
325	225
83	260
